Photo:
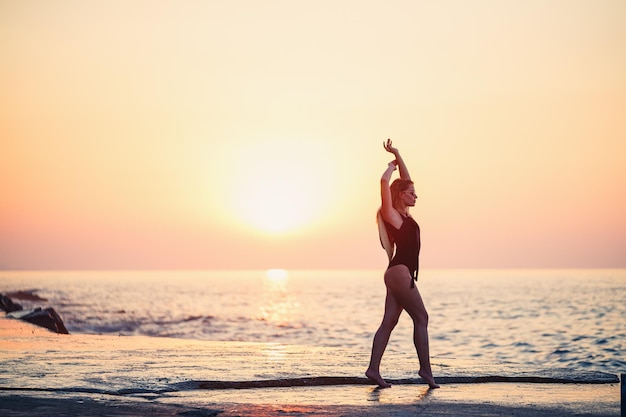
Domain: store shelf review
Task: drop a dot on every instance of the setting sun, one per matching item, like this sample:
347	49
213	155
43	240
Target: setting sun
280	185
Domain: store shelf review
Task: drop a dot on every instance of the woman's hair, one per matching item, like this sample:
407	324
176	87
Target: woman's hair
386	240
397	187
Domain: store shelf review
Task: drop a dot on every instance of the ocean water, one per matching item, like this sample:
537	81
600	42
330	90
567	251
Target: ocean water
553	319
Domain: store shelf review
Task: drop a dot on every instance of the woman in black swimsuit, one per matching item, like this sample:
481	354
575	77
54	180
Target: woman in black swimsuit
398	228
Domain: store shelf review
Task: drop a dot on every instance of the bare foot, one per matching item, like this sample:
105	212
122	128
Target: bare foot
375	376
428	377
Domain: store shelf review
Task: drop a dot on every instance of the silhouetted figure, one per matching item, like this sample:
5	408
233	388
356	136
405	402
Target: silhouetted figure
398	229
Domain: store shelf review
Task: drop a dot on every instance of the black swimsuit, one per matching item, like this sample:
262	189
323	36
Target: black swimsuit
407	241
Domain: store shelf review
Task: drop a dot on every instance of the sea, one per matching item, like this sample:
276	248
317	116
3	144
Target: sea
572	319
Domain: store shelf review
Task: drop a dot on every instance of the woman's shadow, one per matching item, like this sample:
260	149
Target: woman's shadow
375	394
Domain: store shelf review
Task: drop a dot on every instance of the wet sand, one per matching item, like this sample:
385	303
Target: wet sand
44	374
301	402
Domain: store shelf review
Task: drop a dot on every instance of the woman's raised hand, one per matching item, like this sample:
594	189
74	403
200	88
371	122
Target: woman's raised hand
390	148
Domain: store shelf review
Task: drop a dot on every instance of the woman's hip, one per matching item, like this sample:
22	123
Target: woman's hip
397	275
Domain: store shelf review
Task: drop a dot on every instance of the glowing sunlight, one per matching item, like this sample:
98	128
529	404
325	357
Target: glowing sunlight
277	274
278	306
280	185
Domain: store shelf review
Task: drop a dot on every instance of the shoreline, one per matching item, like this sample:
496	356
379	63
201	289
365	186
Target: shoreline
44	373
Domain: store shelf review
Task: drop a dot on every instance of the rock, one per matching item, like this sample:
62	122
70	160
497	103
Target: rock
25	295
47	318
8	305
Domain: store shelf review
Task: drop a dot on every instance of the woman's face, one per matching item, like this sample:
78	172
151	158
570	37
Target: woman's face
408	196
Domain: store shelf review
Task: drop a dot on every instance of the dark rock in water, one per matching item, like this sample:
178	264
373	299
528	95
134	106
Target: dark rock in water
47	318
8	305
25	295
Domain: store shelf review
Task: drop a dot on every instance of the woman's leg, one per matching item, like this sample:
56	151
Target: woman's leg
381	338
398	282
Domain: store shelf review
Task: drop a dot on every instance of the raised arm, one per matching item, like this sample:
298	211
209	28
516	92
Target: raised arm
388	212
404	172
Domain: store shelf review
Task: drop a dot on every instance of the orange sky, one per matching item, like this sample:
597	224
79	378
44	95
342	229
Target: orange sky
247	134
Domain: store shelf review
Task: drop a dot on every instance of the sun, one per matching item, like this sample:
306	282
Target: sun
281	185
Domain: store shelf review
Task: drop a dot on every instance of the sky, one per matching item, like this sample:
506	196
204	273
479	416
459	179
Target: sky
247	135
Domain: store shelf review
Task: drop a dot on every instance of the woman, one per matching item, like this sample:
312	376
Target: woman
398	227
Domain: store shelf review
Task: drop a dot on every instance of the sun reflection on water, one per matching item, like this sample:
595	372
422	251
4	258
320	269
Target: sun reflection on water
278	306
275	352
277	274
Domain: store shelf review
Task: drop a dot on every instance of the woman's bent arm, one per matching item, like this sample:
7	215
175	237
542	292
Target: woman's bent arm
389	213
404	171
